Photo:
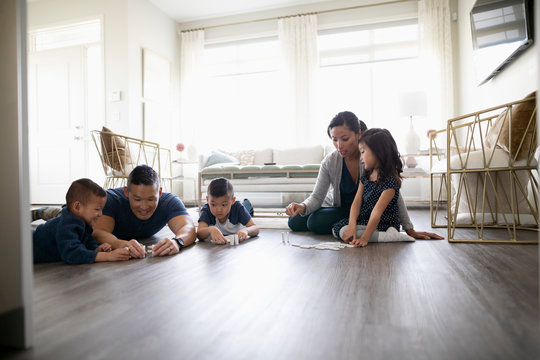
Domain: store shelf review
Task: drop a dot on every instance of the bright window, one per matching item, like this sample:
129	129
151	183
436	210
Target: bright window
80	33
364	69
244	95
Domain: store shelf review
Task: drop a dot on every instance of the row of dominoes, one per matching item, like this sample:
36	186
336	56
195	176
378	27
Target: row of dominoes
148	249
331	245
232	239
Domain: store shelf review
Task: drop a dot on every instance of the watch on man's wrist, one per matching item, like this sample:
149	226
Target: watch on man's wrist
179	241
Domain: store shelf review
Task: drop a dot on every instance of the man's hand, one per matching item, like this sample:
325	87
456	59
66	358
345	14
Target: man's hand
165	247
135	249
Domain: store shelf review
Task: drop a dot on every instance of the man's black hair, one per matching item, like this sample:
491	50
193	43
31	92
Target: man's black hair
143	175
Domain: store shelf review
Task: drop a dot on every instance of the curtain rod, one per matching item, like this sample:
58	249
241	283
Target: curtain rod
289	16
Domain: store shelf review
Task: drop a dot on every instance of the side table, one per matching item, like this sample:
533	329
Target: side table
415	166
181	178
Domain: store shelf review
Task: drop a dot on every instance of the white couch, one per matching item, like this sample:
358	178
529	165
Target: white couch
266	176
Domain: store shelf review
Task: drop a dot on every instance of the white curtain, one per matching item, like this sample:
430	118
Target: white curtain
191	81
298	38
436	52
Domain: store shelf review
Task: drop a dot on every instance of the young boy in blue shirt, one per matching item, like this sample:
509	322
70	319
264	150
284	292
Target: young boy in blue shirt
222	215
69	237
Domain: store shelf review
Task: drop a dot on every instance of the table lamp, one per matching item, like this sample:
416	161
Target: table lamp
411	104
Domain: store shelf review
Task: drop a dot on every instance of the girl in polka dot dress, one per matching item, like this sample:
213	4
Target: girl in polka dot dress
375	204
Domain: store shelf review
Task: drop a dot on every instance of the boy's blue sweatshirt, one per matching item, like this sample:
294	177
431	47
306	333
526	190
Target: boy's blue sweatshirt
66	238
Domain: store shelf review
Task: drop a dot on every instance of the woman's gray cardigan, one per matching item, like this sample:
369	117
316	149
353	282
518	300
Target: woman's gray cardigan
330	177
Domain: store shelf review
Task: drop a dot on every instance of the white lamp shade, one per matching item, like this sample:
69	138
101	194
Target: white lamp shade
412	103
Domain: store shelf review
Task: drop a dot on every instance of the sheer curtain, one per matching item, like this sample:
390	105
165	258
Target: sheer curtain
436	53
298	38
191	80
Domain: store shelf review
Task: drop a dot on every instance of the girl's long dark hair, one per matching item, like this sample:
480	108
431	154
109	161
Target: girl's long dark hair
384	148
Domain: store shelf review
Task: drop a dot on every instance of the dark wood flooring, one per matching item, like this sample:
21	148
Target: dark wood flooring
265	300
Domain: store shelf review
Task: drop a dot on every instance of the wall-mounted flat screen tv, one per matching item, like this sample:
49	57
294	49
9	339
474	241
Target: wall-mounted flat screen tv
501	31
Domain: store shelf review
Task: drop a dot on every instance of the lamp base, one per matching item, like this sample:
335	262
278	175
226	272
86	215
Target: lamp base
413	140
411	162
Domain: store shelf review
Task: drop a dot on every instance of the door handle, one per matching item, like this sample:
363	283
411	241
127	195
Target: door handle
78	138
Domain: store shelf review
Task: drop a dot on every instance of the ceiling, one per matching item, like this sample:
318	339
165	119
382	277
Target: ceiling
191	10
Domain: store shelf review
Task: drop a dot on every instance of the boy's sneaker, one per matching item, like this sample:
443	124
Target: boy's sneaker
335	232
46	213
248	206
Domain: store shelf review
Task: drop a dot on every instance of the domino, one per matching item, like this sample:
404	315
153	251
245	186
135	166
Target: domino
148	249
232	239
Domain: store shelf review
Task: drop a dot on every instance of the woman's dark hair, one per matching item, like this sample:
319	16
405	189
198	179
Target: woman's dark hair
82	190
143	175
220	187
348	119
384	148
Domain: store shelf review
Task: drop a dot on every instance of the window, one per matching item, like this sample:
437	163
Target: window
244	92
366	69
80	33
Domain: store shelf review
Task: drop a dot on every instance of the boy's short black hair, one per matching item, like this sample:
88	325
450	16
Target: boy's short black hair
143	175
220	187
82	190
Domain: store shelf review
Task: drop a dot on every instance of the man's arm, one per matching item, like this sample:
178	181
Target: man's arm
183	227
103	233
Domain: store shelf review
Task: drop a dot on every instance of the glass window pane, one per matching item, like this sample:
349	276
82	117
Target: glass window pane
81	33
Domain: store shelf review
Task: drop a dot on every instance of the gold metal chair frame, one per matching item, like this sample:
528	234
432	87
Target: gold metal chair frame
126	153
467	134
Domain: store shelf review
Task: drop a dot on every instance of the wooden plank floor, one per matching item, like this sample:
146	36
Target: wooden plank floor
265	300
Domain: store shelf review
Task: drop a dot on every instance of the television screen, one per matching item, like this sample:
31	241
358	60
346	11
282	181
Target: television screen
501	30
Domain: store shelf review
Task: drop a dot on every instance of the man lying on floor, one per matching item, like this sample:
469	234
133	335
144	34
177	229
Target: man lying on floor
139	210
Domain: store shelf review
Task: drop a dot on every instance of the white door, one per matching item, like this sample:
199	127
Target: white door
56	109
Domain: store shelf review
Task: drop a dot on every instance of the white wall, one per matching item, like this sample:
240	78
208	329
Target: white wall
16	268
151	29
54	12
362	15
129	25
517	80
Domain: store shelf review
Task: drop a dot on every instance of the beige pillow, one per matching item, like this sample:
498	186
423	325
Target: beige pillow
523	128
114	150
246	157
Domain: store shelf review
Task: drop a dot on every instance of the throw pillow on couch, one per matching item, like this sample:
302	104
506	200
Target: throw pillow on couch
218	157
